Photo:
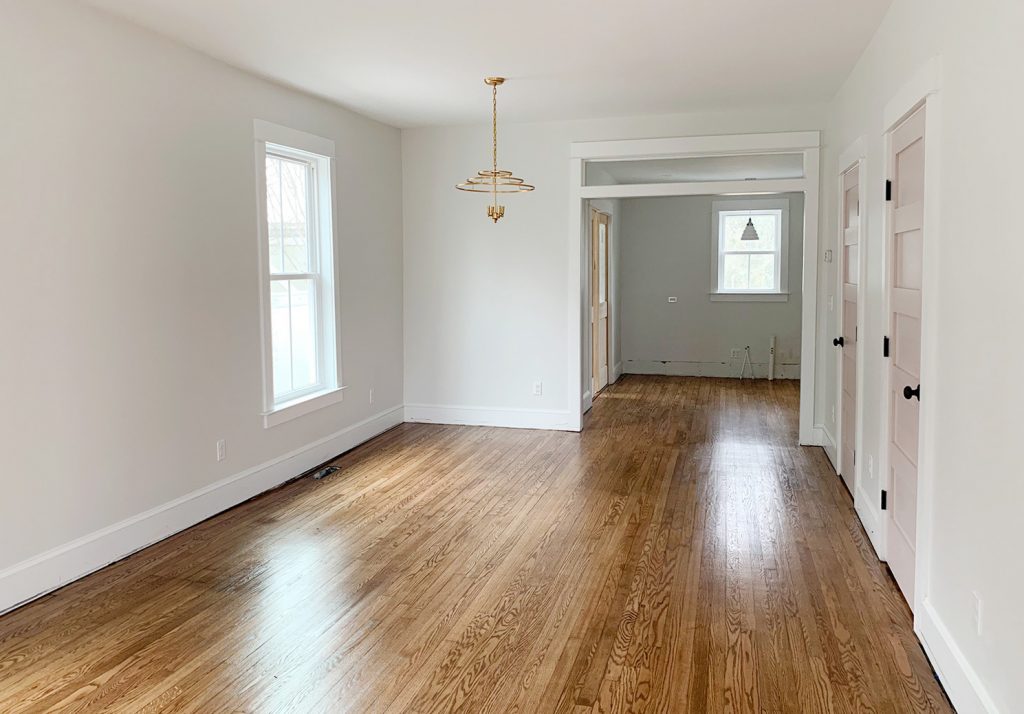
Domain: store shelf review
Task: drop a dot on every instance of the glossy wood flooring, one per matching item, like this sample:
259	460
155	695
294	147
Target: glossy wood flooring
681	555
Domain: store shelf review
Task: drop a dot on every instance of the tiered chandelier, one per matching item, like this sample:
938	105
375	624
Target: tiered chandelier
494	180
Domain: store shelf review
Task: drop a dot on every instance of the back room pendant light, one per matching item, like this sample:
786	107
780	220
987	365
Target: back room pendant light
494	181
750	233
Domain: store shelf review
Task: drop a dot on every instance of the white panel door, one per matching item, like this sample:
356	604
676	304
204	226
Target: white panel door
849	268
906	243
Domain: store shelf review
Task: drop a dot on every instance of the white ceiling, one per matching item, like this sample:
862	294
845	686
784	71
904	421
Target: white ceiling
421	62
702	168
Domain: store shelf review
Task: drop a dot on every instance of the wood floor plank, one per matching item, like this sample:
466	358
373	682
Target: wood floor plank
680	554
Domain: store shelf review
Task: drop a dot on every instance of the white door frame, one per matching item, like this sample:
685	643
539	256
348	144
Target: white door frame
854	157
806	143
923	90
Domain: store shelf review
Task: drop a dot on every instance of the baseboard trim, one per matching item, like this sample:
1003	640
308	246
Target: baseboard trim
52	569
826	441
482	416
870	518
962	683
730	369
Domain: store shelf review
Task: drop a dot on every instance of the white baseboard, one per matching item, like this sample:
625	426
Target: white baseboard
870	518
59	566
708	369
962	683
825	440
482	416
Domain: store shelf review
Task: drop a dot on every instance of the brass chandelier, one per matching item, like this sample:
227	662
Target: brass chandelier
494	180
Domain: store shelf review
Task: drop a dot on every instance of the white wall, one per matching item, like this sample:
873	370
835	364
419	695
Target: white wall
978	491
667	251
130	327
486	311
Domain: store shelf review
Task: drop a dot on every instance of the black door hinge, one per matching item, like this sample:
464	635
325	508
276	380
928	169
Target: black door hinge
885	346
884	499
888	190
854	457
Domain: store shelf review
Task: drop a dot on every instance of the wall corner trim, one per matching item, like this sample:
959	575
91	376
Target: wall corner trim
962	683
59	566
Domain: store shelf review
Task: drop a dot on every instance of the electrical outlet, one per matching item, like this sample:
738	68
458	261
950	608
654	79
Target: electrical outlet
371	396
673	299
735	353
222	450
978	610
538	389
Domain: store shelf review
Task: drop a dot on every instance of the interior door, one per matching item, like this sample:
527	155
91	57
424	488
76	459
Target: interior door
600	237
906	243
849	268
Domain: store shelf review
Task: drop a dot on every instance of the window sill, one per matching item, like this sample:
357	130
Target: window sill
301	406
749	297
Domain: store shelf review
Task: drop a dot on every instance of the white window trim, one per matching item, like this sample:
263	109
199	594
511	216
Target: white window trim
329	390
716	294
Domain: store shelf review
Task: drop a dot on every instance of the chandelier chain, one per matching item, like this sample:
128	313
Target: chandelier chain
494	127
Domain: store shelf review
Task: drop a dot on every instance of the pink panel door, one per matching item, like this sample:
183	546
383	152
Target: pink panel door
906	240
849	267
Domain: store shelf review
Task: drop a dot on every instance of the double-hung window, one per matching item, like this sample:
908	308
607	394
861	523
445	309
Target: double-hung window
750	249
297	265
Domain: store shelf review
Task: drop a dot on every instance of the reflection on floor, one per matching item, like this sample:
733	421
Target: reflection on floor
682	554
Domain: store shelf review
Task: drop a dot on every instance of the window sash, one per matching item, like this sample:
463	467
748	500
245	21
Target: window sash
319	249
283	153
777	251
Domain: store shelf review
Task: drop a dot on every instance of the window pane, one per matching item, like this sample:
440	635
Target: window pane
280	337
762	272
303	324
288	226
737	272
602	267
274	213
767	226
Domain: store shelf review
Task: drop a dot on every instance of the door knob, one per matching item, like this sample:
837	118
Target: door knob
915	392
838	342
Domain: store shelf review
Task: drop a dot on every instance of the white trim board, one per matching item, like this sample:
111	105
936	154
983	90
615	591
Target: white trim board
826	441
962	684
488	416
44	573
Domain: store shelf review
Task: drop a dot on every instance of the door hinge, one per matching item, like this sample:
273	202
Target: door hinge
885	346
888	190
854	457
884	499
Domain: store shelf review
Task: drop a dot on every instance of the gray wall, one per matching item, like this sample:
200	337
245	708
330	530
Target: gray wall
666	251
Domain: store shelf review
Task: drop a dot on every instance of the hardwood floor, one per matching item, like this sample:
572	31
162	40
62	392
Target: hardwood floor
681	555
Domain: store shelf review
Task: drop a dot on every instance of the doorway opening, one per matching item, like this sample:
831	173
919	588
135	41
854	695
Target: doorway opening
723	172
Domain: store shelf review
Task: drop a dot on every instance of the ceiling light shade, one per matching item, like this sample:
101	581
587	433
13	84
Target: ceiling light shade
750	233
494	180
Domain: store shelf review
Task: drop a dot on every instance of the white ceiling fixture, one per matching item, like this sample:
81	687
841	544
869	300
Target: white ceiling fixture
413	63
